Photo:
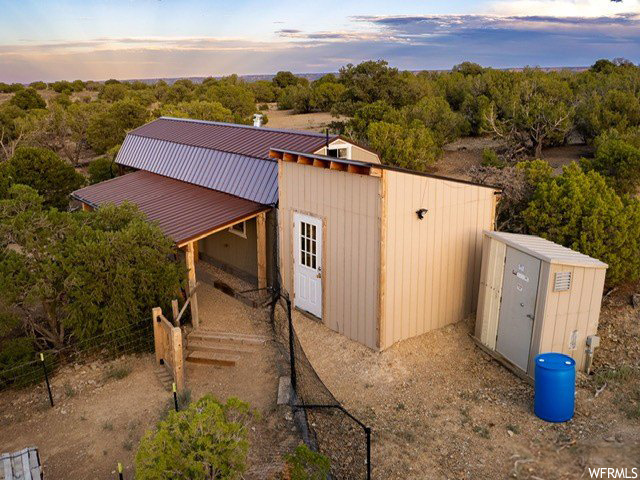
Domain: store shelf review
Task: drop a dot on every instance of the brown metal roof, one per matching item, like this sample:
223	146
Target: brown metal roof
231	137
183	211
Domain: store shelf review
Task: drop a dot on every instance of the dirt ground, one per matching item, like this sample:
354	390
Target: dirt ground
440	408
99	418
315	122
464	153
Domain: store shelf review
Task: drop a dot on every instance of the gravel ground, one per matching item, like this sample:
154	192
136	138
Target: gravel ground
440	408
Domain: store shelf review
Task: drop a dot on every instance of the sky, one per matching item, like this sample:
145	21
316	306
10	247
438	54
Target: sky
96	40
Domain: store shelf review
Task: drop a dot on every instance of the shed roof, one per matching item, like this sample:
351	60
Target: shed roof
183	211
231	137
245	177
546	250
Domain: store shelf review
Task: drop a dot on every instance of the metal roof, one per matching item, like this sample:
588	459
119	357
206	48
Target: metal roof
245	177
183	211
546	250
231	137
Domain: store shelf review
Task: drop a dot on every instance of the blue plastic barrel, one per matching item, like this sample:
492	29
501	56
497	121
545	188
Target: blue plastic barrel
555	387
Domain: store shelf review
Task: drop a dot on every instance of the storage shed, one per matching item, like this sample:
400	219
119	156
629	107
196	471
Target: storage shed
377	253
536	296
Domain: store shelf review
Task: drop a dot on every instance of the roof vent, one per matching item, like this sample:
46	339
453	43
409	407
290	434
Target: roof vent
257	120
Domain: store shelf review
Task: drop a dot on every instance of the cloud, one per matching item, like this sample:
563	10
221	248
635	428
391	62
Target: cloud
526	35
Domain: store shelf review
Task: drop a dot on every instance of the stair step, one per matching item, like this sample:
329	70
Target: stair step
220	347
214	336
213	358
164	378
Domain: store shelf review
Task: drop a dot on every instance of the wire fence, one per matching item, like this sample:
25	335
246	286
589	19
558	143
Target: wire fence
132	338
325	424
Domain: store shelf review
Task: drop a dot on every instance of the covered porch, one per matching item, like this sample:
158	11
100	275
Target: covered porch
199	220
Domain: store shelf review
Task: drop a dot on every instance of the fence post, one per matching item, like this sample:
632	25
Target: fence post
46	378
157	334
292	353
175	312
175	396
120	474
178	367
367	431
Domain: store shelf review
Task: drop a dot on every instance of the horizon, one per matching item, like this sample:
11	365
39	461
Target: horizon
151	39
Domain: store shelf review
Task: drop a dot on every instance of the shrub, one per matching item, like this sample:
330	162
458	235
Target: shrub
28	99
199	109
101	169
46	173
618	160
490	159
408	147
580	211
208	440
78	275
435	114
305	464
17	366
108	128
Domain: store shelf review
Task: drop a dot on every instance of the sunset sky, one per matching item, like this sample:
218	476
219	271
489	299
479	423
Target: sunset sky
50	40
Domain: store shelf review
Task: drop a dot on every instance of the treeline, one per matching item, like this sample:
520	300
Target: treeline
57	268
408	117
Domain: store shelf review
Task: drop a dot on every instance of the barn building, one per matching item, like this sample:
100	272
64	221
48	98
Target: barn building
377	253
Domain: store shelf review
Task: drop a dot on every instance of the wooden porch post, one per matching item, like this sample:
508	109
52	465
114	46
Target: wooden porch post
191	266
157	333
261	223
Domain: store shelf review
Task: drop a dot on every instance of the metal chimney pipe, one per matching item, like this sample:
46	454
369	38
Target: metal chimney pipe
257	120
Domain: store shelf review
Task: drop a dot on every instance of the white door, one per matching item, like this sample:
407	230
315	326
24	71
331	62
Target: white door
307	268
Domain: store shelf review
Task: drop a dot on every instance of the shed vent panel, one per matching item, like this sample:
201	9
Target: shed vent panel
562	282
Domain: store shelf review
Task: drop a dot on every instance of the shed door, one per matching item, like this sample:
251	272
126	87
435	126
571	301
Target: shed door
517	309
308	263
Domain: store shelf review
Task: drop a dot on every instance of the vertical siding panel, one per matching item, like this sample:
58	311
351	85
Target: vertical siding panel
431	257
423	229
575	300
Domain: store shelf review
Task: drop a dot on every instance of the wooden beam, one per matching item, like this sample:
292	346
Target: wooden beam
321	163
341	167
191	266
196	252
184	243
358	169
178	359
86	207
304	160
175	311
261	223
288	157
375	172
156	313
273	154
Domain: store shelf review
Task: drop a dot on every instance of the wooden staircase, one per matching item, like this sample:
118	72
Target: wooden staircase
221	349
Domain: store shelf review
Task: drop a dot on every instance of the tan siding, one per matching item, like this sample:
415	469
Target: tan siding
228	249
557	314
575	310
444	248
349	205
357	153
490	291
